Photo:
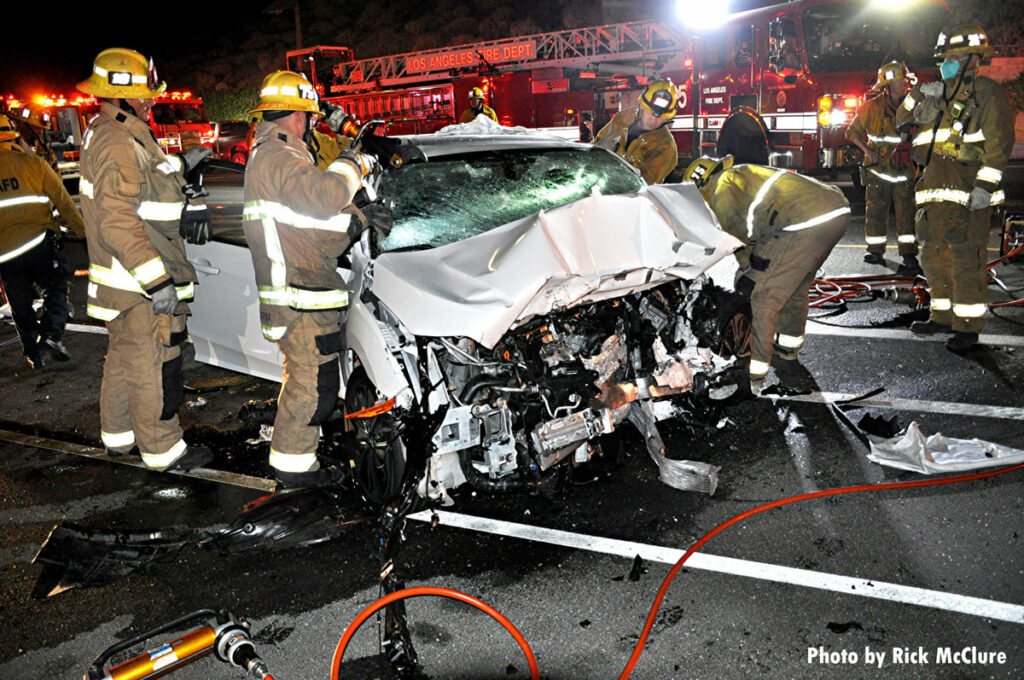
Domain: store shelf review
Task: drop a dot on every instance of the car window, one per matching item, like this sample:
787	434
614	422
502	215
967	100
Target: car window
452	198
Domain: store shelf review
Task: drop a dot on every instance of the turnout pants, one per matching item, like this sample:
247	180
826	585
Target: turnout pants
953	257
142	384
309	389
47	267
878	196
778	301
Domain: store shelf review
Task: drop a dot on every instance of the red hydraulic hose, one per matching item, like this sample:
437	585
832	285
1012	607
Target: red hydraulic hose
631	664
339	651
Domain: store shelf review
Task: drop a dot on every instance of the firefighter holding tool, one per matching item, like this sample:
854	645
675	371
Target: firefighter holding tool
298	220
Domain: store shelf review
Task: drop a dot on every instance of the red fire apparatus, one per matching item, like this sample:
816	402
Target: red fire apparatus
780	85
548	81
177	120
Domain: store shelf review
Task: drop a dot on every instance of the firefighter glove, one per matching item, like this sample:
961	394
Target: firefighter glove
334	116
165	300
379	218
194	226
362	161
979	199
933	89
193	157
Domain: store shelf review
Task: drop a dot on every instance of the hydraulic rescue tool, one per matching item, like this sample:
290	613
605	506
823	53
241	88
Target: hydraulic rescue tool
221	633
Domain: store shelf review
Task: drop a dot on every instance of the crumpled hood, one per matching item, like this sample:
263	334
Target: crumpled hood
591	249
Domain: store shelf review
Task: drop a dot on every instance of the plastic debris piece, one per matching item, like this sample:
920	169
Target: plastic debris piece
685	475
74	556
937	454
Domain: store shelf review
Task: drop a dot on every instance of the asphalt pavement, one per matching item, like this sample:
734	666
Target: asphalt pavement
930	577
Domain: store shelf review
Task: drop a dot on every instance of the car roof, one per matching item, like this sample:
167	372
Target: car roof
438	145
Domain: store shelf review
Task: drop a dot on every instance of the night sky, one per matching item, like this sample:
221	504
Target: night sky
44	53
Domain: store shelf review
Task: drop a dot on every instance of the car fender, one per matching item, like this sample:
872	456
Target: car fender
366	342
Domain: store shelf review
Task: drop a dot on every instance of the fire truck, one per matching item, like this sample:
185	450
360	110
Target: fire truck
177	119
779	85
552	81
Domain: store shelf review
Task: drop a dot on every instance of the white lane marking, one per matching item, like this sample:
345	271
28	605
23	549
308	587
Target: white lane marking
210	475
815	328
919	405
963	604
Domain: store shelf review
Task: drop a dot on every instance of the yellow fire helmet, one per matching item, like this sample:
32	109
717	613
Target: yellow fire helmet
476	93
120	73
7	131
34	116
892	72
701	170
964	39
660	98
287	91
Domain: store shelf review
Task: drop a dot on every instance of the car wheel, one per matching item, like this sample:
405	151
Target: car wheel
378	459
239	157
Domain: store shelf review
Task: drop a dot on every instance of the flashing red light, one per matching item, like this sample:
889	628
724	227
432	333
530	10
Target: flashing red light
688	63
850	103
570	112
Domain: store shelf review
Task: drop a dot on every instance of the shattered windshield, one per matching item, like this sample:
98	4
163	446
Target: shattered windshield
845	37
452	198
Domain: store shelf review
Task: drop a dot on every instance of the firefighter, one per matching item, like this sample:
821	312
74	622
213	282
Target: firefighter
32	122
789	224
477	107
298	220
30	250
641	135
137	210
887	173
964	141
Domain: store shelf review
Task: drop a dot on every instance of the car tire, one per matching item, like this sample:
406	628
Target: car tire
239	157
377	461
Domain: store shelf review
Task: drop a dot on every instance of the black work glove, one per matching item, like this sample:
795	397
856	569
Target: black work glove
378	145
195	217
193	157
379	218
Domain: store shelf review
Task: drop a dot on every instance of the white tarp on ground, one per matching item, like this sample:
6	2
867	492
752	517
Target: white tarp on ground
936	454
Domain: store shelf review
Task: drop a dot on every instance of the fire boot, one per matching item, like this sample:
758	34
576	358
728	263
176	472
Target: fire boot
874	258
929	327
55	349
194	457
910	266
961	341
132	453
318	477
